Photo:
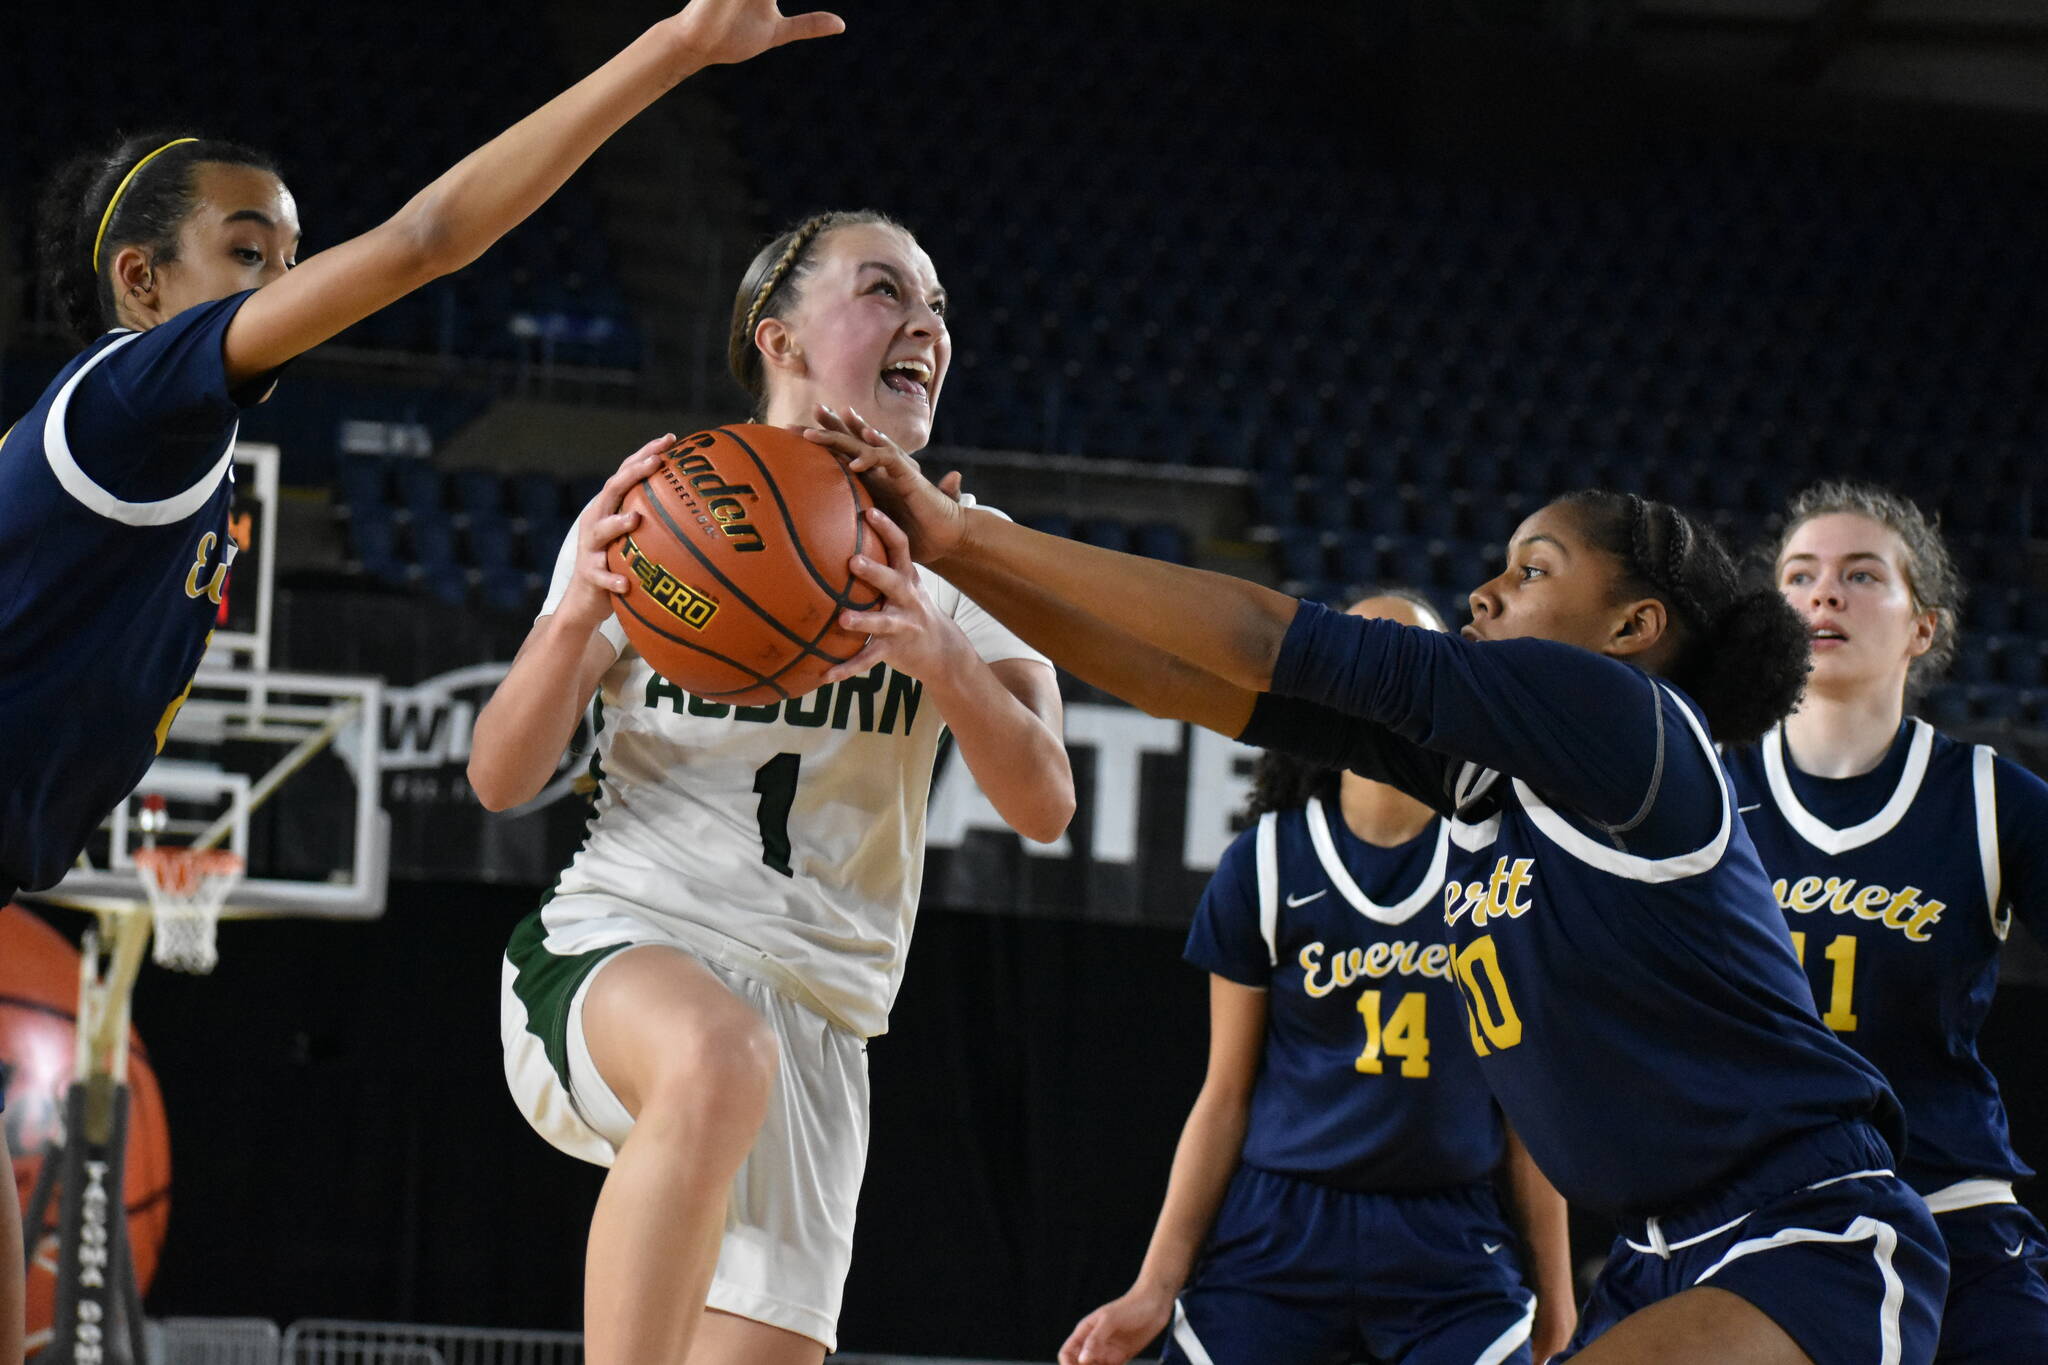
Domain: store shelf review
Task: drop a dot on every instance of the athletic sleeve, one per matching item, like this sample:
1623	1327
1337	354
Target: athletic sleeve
1592	735
1321	735
558	587
146	420
1225	937
2023	844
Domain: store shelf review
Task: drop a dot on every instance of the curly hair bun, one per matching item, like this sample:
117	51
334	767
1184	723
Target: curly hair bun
1756	667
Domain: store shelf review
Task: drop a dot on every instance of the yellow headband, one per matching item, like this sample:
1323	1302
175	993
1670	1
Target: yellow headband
122	189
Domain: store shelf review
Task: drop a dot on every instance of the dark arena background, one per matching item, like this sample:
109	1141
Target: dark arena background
1320	294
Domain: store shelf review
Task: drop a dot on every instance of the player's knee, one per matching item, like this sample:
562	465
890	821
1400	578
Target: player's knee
720	1075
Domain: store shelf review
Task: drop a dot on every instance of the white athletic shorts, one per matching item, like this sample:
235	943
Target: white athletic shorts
789	1226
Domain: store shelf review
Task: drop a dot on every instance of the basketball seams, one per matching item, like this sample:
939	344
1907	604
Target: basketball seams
785	578
756	674
860	541
739	596
796	540
770	680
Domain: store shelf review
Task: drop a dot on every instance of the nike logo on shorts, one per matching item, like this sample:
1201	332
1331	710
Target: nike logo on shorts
1490	1247
2016	1251
1293	901
1744	810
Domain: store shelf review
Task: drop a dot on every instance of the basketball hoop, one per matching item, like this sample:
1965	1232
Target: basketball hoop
187	887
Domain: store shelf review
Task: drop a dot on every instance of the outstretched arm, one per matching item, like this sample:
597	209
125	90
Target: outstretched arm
1006	717
1154	681
1050	587
452	221
1584	729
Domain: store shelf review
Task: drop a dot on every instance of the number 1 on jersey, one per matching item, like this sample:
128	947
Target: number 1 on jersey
775	780
1841	1015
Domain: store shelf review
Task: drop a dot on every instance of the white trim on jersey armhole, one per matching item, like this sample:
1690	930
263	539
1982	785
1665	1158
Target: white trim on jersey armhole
1401	911
1984	779
1612	860
1473	782
97	500
1826	837
1470	837
1266	844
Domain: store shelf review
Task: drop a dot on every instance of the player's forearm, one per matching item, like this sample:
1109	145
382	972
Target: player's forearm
1017	758
1149	678
1543	1219
531	717
1224	626
1210	1145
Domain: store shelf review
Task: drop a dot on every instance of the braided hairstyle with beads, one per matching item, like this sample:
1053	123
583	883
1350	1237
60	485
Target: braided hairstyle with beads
772	288
137	192
1742	653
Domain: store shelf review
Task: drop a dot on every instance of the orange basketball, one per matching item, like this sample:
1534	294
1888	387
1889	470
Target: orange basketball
38	1000
737	570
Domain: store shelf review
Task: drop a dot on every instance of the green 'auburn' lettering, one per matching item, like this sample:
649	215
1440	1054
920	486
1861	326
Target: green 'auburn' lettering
844	705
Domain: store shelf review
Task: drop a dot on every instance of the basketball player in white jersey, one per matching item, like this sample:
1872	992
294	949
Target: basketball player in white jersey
690	1004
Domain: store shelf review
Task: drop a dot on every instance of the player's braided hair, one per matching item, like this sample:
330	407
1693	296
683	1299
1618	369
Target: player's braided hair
1930	570
772	287
1742	653
1282	781
148	213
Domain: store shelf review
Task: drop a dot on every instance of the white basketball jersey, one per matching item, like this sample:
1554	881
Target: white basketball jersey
795	828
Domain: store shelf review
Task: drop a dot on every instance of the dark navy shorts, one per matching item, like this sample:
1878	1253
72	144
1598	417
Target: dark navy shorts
1296	1273
1819	1235
1997	1298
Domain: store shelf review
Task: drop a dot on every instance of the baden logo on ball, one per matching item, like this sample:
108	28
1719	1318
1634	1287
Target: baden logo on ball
737	571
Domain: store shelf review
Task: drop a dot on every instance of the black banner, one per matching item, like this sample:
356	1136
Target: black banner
1156	798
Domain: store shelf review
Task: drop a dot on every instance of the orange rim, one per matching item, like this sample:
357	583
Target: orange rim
181	871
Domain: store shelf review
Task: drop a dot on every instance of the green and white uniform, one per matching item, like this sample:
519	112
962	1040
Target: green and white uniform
783	847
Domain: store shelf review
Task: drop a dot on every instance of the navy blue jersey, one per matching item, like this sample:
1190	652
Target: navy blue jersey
1631	988
1899	885
114	551
1367	1082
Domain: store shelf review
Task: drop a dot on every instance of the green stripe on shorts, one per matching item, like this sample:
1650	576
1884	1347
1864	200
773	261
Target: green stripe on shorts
545	983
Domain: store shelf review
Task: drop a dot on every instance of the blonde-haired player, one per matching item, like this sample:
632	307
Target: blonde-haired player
689	1007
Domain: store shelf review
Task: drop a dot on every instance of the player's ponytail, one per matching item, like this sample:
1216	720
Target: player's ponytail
772	287
1742	655
138	192
1284	782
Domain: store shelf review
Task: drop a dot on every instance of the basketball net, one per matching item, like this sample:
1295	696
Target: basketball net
187	887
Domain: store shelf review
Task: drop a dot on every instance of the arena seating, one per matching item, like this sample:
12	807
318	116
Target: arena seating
1405	359
475	536
291	80
1409	360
